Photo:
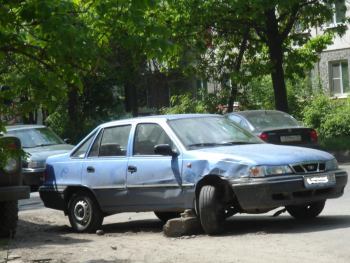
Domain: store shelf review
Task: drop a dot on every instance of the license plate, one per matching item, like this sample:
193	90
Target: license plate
319	181
291	138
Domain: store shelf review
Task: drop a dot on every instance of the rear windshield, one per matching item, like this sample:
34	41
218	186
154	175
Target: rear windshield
263	120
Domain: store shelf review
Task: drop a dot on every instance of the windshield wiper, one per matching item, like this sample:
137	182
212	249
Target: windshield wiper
237	143
45	144
205	144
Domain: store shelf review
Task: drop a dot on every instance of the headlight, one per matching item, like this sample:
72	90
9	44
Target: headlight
36	164
332	165
11	165
261	171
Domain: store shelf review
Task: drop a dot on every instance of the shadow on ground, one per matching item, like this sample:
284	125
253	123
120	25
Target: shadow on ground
240	225
30	234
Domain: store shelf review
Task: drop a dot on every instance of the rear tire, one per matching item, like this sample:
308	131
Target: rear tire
307	211
8	218
211	214
165	216
84	213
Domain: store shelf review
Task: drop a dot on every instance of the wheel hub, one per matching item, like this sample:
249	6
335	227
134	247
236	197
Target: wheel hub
82	211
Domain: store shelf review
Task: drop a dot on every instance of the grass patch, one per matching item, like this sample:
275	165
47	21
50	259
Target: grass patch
335	144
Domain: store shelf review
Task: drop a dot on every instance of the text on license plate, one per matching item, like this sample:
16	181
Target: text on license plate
319	180
291	138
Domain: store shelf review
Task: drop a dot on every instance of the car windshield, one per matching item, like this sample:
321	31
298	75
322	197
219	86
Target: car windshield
263	120
210	131
36	137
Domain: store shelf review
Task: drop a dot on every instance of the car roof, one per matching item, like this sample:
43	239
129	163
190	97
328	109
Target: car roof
23	127
156	118
248	113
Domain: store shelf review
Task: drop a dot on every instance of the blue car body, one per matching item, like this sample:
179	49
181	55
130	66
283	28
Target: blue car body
155	182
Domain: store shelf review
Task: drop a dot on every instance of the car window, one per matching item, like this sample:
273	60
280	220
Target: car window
96	145
36	137
147	136
234	118
81	151
271	119
114	141
210	132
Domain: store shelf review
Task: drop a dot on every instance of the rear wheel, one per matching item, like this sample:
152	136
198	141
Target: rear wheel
84	213
211	212
165	216
8	218
307	211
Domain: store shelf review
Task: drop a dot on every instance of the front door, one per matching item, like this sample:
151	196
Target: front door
153	181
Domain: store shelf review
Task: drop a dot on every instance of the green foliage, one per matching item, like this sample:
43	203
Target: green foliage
258	94
318	110
331	117
337	123
202	103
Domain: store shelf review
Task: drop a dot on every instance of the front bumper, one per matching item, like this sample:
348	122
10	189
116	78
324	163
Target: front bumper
256	194
33	177
12	193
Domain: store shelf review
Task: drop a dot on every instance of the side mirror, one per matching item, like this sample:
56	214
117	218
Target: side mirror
164	149
67	140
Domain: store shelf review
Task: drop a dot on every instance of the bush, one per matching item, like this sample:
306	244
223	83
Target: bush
331	117
338	123
317	111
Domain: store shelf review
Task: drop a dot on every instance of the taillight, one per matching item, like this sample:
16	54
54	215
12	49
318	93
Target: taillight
264	136
12	146
313	135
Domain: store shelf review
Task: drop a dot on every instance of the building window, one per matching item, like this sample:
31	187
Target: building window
339	12
339	78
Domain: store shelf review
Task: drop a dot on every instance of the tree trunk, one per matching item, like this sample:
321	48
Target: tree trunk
131	103
73	114
237	68
274	42
278	81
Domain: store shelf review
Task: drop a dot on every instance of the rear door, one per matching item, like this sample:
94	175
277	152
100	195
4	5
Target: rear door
153	181
104	170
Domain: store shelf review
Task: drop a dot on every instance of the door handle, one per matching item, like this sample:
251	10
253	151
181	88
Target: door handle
132	169
90	169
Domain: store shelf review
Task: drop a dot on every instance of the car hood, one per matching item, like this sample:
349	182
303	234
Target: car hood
41	153
262	154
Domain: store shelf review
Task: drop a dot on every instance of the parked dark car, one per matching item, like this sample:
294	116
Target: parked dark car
170	163
11	188
39	142
276	127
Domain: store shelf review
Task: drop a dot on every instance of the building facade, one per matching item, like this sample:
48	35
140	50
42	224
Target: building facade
332	71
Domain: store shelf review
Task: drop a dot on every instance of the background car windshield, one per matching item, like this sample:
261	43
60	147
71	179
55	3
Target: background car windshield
210	132
36	137
267	120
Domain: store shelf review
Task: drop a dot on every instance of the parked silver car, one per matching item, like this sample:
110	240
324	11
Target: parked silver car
39	142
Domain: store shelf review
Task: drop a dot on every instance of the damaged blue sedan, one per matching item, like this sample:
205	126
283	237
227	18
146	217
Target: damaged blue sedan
170	163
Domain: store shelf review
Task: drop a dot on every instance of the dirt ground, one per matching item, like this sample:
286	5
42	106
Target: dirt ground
44	236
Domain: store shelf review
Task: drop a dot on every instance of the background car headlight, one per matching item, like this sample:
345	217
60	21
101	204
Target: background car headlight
261	171
11	165
332	165
36	164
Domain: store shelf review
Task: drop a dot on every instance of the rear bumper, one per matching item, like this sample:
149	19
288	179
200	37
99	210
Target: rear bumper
11	193
267	193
